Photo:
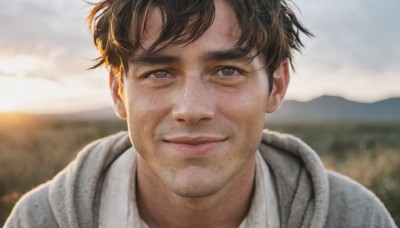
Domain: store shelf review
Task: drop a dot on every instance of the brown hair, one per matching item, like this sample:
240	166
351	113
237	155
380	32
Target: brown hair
268	26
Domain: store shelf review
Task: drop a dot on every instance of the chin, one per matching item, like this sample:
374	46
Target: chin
196	191
195	182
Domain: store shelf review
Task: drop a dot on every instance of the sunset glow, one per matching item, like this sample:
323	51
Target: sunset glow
35	95
18	65
44	56
18	94
9	105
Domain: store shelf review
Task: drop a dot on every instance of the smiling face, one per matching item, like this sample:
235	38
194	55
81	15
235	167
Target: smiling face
195	112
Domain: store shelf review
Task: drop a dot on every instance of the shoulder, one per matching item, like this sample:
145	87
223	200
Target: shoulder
352	205
73	191
33	210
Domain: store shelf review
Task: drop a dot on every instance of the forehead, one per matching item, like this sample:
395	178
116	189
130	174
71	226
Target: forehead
223	32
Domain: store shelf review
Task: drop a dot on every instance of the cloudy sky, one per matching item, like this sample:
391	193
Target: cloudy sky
45	49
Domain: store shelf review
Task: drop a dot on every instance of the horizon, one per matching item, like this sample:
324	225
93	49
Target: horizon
109	107
47	47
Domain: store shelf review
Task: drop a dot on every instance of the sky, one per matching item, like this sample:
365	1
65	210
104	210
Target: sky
46	49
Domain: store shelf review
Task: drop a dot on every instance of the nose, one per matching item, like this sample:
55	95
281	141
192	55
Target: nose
194	102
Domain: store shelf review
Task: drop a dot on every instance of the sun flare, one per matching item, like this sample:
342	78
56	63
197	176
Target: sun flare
11	101
6	106
16	94
18	65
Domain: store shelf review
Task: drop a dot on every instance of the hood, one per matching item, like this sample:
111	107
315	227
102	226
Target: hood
74	195
301	181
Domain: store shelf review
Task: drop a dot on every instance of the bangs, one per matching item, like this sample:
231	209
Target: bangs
268	27
182	22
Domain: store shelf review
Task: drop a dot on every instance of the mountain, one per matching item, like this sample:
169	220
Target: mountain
332	109
321	109
103	113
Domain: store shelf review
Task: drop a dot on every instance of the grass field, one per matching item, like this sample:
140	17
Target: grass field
34	149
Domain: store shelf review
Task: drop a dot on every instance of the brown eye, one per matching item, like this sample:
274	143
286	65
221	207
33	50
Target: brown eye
228	71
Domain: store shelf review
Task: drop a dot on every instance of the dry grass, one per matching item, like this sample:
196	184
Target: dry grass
368	153
379	171
34	149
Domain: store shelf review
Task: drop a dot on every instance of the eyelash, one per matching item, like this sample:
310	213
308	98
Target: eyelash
236	71
218	72
152	73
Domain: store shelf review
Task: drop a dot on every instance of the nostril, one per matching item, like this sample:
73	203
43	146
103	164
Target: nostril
192	116
193	113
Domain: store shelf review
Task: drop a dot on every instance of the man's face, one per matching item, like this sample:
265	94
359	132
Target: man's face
195	112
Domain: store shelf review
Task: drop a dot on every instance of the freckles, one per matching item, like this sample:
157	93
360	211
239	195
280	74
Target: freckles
218	170
147	104
153	101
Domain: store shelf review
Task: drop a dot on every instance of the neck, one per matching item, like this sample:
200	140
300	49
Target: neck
160	207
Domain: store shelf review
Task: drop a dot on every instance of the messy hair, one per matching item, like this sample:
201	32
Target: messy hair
268	27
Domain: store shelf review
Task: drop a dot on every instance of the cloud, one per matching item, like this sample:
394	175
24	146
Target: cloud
47	96
357	34
54	32
355	53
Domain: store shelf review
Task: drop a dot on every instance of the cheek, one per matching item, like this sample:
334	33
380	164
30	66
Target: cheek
246	106
145	113
245	110
145	105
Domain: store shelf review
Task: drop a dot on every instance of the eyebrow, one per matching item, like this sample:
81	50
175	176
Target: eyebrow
220	55
230	54
154	58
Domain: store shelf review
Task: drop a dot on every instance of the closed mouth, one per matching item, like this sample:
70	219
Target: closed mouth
195	146
195	140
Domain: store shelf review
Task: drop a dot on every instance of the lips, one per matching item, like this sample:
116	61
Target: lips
194	146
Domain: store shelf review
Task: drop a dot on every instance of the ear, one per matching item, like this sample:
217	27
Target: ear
281	80
116	89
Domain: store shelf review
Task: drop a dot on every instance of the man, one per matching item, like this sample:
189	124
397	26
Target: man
194	79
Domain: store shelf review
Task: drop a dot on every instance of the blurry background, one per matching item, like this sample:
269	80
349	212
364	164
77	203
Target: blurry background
344	98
